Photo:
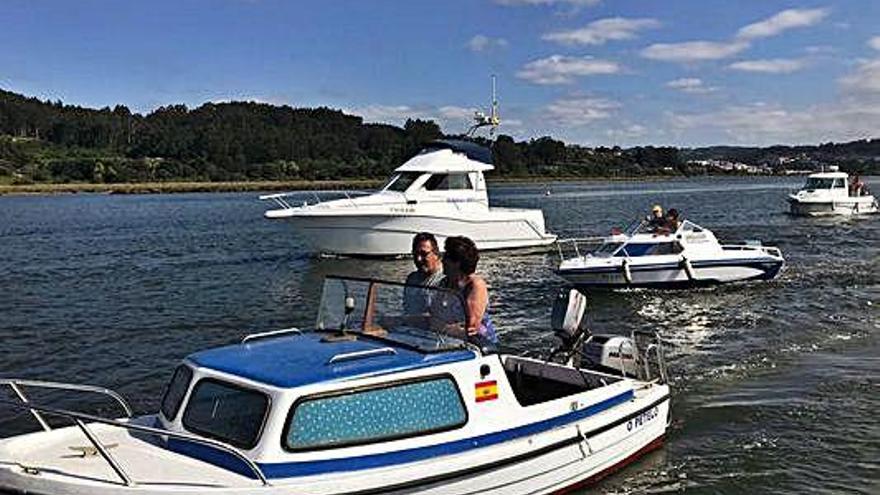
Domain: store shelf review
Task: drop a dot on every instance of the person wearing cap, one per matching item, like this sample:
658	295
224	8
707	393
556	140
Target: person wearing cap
656	220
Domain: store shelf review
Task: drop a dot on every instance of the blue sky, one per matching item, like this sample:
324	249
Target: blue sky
595	72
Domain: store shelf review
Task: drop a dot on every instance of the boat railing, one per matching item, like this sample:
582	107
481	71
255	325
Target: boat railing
649	347
18	388
81	419
316	197
270	334
772	251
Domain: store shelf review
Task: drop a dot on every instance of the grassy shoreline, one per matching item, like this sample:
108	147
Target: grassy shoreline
249	186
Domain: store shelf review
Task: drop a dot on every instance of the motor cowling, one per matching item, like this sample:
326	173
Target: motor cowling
614	354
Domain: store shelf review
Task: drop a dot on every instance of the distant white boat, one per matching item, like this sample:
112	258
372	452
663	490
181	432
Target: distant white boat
829	193
442	190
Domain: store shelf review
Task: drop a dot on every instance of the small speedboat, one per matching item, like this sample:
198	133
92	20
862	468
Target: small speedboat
370	401
441	190
830	193
690	256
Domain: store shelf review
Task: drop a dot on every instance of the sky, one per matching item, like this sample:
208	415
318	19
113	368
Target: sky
592	72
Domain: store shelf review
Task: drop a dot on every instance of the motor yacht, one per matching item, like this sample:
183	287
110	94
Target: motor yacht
371	400
688	256
442	190
831	193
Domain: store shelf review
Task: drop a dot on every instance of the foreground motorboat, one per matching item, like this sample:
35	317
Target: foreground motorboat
441	190
371	401
690	256
830	193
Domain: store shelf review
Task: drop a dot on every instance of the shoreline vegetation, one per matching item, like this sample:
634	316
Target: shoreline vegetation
49	147
43	189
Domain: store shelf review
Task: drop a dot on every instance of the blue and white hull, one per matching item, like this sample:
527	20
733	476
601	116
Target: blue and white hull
671	274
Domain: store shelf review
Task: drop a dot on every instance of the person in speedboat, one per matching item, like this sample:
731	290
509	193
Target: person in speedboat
428	273
460	259
672	220
656	220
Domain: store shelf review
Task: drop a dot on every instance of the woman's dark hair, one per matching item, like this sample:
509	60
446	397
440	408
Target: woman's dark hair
672	213
422	237
463	251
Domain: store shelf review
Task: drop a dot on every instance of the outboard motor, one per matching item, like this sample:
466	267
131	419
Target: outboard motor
613	354
565	319
608	353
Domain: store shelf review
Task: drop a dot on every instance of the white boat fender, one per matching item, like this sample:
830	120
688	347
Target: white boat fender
688	268
627	274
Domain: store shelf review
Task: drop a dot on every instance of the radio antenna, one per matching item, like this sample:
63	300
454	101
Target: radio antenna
492	121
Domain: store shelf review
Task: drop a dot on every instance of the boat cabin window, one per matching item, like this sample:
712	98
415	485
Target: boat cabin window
176	390
819	183
649	249
448	182
839	183
383	413
226	412
401	182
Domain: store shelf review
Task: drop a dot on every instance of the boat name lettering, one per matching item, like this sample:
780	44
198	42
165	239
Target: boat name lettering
402	210
642	418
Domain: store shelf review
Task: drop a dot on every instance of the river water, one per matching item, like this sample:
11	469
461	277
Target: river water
776	385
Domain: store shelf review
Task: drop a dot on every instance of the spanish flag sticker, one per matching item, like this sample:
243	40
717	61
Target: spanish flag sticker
484	391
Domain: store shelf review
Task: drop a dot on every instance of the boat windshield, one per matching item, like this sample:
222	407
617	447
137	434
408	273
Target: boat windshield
401	182
820	183
607	249
430	319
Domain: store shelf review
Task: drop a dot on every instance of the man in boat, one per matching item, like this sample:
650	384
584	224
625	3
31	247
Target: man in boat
428	273
656	221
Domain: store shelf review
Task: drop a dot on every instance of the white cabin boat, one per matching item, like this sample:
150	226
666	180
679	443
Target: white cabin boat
691	256
830	193
442	190
372	401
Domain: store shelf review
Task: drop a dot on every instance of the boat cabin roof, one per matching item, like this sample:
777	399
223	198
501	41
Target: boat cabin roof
444	156
829	175
313	357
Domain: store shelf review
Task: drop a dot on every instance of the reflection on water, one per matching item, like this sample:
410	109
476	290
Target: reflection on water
775	384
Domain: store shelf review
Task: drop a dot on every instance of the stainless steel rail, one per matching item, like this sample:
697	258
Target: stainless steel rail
16	385
349	356
79	420
270	334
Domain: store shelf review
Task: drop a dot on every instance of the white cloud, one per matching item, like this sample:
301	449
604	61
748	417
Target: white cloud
783	21
766	124
573	3
576	111
874	42
866	78
603	30
627	133
559	69
693	51
692	85
483	43
770	66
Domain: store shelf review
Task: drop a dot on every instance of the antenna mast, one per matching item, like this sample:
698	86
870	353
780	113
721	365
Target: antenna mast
482	120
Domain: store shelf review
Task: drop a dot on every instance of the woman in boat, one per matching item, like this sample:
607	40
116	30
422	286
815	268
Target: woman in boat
460	259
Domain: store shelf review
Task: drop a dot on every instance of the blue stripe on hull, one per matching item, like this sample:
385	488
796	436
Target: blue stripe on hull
310	468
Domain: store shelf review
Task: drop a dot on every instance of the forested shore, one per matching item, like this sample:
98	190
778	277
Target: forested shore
45	142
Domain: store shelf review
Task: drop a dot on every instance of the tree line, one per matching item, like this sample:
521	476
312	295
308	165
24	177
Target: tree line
46	141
